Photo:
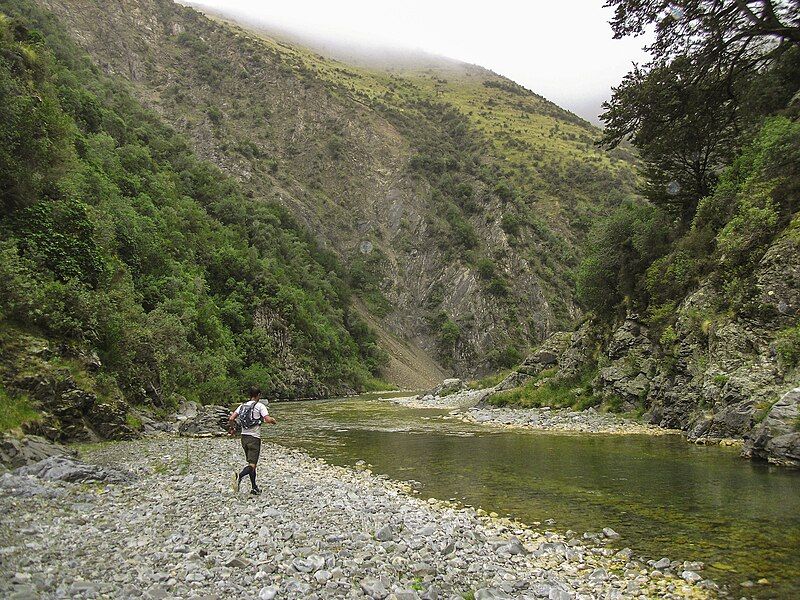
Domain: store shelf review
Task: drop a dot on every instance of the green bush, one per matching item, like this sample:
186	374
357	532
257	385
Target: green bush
620	250
510	223
787	344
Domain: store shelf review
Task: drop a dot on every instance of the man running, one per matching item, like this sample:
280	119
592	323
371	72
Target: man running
250	414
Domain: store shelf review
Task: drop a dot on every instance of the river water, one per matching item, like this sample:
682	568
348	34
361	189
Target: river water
664	496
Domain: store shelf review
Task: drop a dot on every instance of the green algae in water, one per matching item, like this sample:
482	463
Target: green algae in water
664	496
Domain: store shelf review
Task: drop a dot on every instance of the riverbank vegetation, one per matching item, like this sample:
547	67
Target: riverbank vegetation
544	390
716	127
117	238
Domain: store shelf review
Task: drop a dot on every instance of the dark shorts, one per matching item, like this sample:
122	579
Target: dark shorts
252	448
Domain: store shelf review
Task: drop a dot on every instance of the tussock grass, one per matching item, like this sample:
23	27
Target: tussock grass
15	411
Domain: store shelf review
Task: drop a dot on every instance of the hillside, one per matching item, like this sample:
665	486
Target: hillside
455	198
133	273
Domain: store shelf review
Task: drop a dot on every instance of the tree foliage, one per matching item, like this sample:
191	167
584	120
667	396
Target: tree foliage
717	69
115	236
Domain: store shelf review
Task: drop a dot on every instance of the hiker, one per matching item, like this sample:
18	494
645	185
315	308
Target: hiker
250	415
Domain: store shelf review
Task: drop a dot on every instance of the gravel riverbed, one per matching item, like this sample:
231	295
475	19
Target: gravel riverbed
463	406
176	530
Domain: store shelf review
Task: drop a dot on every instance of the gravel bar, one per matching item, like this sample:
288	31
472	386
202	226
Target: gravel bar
177	530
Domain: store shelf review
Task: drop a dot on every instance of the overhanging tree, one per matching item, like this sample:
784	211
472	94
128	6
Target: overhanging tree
686	110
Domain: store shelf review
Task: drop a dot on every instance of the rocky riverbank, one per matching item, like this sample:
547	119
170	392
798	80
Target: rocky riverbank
466	405
319	531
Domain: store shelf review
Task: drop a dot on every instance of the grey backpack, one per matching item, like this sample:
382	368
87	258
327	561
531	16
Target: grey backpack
250	417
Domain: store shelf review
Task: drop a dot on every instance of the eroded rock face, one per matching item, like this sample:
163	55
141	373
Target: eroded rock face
568	352
632	364
777	438
58	380
449	386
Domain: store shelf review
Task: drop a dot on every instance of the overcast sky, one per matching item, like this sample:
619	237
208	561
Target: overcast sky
562	49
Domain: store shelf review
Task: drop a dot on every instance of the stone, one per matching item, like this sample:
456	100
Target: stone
610	533
209	420
238	563
491	594
690	577
62	468
599	575
373	588
384	534
18	451
663	563
17	485
267	593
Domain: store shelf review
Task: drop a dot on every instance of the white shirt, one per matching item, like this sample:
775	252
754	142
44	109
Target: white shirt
262	410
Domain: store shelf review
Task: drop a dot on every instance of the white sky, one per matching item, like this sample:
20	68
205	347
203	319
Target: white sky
562	49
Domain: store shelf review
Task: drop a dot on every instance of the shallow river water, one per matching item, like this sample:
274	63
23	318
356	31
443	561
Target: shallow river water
664	496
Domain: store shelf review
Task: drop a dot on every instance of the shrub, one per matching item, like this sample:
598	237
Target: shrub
485	268
787	344
620	249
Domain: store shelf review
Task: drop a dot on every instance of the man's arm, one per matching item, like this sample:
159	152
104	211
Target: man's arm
232	422
267	419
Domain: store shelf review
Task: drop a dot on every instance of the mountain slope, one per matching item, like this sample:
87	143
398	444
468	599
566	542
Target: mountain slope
133	273
454	196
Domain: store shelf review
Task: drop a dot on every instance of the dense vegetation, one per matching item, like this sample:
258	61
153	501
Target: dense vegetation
116	238
714	118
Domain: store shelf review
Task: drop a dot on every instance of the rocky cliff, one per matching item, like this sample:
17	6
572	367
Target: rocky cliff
717	376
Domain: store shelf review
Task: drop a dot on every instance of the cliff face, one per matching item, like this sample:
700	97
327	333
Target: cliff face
719	377
455	197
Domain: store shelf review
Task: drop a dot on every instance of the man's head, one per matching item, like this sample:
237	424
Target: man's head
255	392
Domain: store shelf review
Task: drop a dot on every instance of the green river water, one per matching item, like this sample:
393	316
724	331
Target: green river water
664	496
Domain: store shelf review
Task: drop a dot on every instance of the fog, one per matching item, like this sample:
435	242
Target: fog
562	49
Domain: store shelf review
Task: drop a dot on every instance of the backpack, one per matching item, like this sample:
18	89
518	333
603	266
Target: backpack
249	417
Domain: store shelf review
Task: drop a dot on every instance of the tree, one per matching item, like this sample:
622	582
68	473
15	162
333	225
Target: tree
687	109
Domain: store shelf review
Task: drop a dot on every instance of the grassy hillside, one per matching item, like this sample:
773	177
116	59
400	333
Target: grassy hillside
455	199
136	271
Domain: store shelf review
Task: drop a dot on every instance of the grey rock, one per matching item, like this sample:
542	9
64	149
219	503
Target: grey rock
691	576
18	451
18	485
267	593
62	468
384	534
209	421
663	563
491	593
373	588
775	439
610	533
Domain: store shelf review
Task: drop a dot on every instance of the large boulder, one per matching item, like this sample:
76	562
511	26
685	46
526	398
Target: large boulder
18	451
777	438
63	468
198	420
449	386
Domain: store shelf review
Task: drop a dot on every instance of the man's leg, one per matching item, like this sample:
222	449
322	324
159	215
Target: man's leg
252	448
237	480
252	473
246	471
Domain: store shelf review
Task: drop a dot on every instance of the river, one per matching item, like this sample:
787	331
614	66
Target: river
664	496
